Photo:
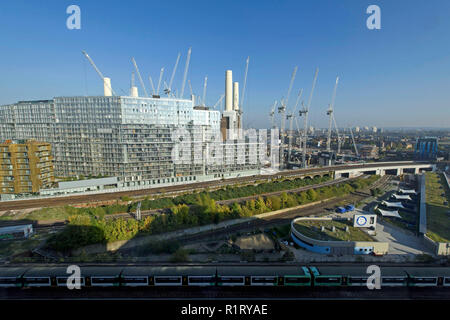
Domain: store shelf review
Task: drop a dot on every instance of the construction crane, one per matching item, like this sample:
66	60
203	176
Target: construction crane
305	112
282	110
173	74
272	115
338	136
290	117
160	79
151	84
243	91
186	68
330	114
139	76
354	144
98	72
218	101
204	92
190	87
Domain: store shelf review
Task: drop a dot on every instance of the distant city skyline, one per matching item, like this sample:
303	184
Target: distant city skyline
398	76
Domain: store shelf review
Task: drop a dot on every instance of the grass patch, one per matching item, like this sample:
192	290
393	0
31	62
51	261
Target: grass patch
438	218
12	248
312	229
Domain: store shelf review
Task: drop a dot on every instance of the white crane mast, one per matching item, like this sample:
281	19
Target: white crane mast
245	83
272	115
338	136
190	87
139	76
291	117
160	80
282	110
305	111
330	113
186	68
98	71
173	73
218	101
204	91
151	84
354	144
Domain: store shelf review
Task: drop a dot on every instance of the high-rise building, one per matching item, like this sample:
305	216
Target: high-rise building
132	138
25	167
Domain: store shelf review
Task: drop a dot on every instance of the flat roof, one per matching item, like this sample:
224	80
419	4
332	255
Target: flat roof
87	183
359	271
12	271
427	271
169	271
260	271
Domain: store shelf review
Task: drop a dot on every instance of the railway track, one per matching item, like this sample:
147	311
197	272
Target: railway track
130	215
284	217
77	199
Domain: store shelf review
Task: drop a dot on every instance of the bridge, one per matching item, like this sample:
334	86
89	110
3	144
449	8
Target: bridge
382	168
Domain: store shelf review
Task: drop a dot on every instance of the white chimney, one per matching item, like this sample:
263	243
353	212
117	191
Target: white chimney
134	92
236	96
229	90
107	87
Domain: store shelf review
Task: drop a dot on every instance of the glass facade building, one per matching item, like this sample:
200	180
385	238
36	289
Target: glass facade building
131	138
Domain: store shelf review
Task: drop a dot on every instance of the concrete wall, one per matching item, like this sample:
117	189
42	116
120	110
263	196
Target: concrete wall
438	248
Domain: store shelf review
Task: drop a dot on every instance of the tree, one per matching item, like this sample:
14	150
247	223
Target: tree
311	194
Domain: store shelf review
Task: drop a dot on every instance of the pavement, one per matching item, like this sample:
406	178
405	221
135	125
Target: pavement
400	241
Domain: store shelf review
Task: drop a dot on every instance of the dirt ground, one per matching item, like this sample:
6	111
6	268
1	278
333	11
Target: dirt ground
256	242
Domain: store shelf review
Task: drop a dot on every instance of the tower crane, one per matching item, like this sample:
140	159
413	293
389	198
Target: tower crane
218	101
338	136
98	72
190	87
330	114
204	91
139	76
186	68
243	92
160	79
173	74
282	110
290	117
305	111
354	144
272	114
151	84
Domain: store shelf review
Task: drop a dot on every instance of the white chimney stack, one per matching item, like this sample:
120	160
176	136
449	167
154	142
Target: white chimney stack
107	87
228	90
134	92
236	96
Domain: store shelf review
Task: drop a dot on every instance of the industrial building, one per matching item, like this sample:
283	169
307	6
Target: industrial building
25	167
135	138
426	148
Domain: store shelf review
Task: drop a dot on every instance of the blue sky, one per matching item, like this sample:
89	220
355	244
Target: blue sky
396	76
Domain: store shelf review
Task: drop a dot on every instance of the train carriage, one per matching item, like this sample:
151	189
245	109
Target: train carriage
327	276
263	276
102	276
428	277
11	276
